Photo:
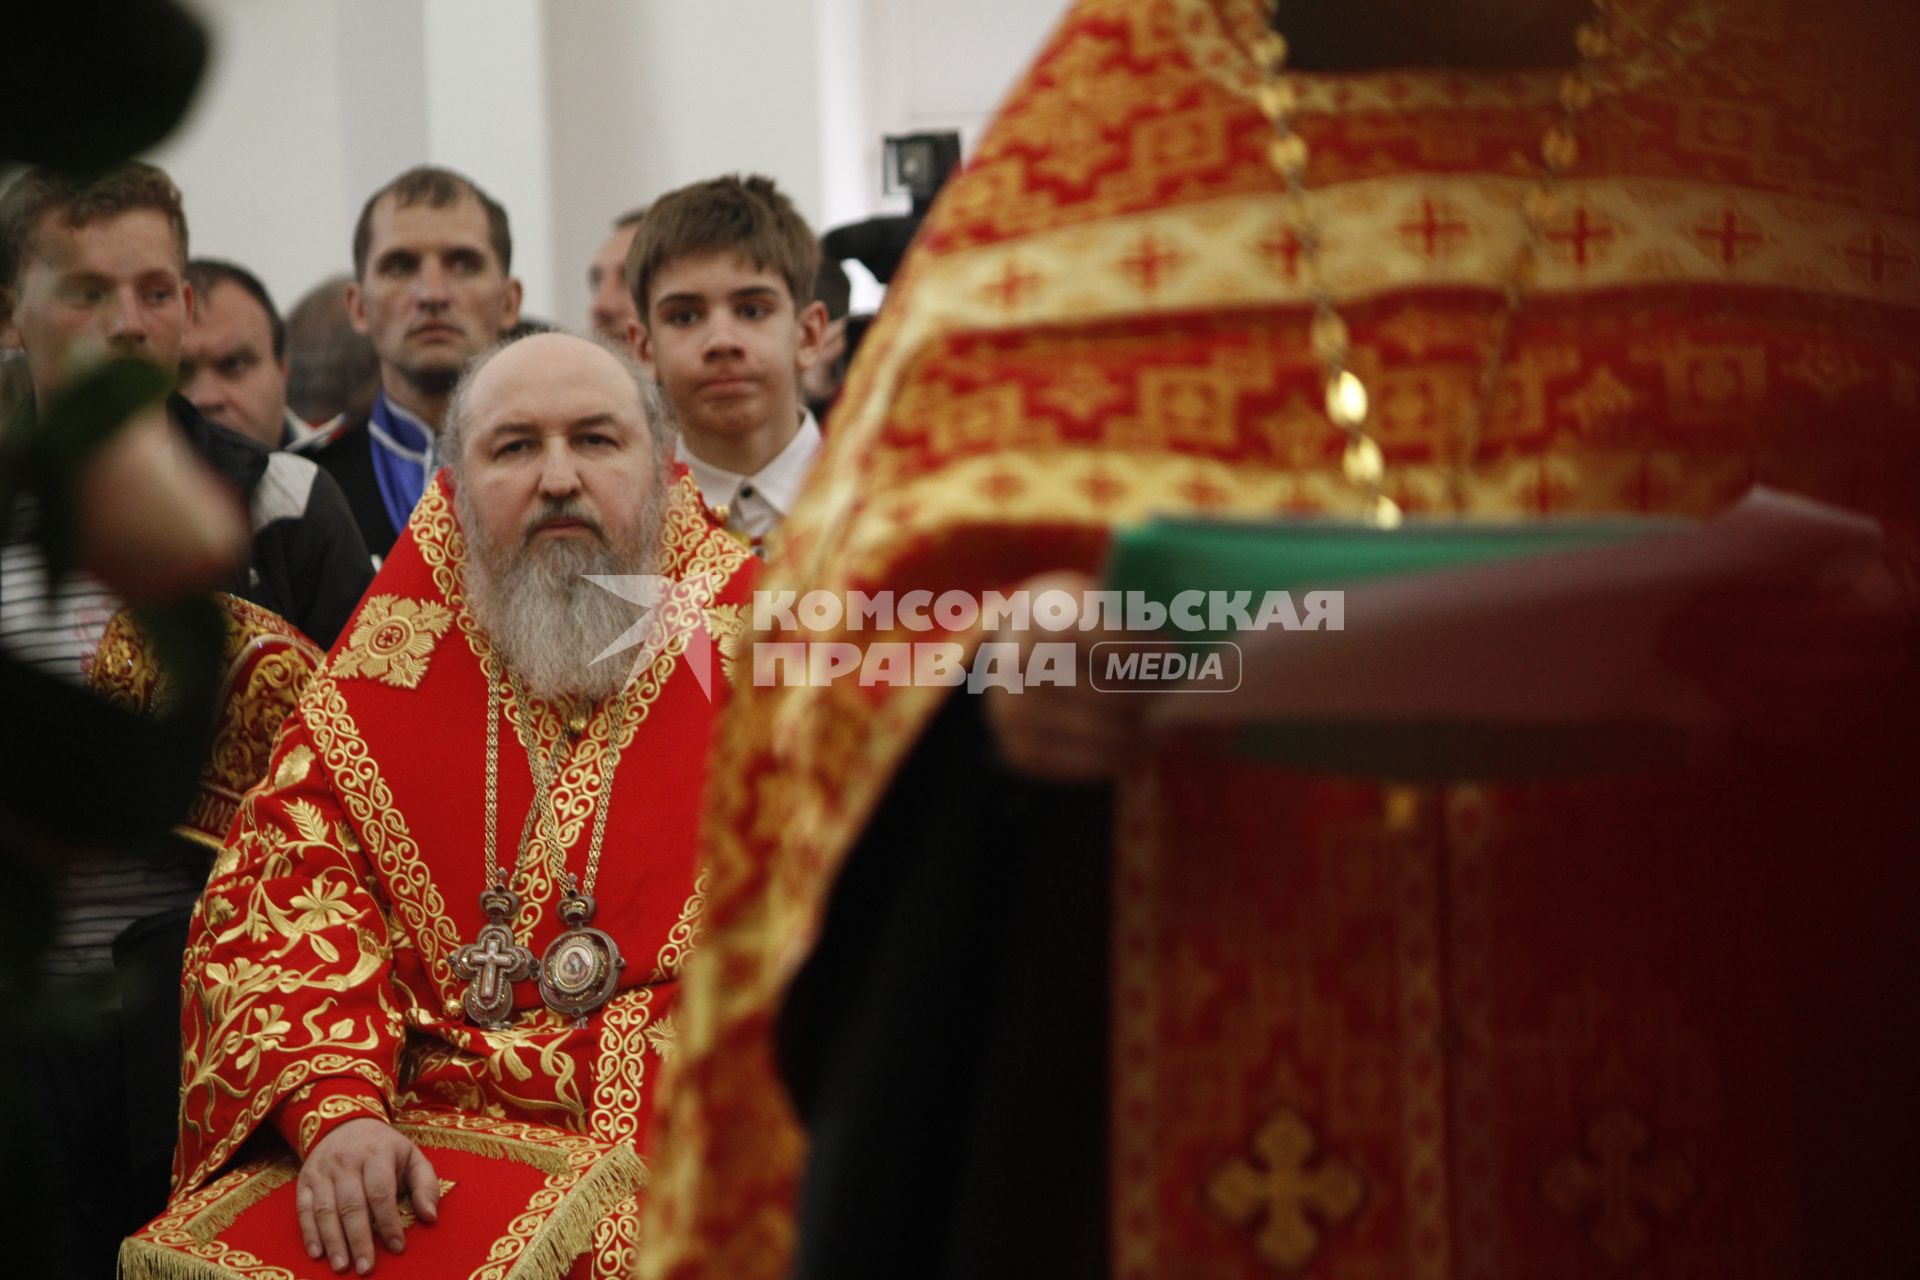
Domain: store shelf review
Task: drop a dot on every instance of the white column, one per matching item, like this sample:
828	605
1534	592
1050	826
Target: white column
568	111
260	157
487	99
650	95
382	112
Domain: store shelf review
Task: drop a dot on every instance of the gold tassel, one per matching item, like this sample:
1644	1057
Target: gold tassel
552	1161
206	1226
144	1260
568	1231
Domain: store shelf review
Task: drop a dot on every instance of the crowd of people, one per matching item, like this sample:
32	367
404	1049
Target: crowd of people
97	266
877	978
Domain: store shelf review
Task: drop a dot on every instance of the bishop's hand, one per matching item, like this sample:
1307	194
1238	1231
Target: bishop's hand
348	1192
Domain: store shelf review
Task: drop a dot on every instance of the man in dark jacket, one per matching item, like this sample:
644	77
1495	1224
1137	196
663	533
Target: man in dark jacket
90	268
94	266
431	260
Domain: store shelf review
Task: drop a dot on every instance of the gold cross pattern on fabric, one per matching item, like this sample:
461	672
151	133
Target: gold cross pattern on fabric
1622	1182
1286	1186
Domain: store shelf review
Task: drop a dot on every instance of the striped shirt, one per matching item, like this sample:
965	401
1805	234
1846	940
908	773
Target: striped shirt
96	893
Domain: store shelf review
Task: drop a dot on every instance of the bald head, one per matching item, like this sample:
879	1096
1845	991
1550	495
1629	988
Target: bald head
530	368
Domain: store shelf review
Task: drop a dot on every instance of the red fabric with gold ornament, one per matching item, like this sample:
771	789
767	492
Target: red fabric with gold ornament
518	1201
266	663
317	984
1466	1031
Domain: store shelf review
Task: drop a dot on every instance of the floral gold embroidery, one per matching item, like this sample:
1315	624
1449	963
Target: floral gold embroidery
293	768
685	933
266	666
393	639
727	623
620	1073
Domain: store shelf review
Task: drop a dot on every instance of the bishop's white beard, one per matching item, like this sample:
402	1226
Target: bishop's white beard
546	621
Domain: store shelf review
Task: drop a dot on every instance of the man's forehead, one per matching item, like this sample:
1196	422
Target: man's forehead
562	381
621	240
59	240
228	304
423	224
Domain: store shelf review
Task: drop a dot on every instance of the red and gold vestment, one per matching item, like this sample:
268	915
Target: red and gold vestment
317	984
1473	1030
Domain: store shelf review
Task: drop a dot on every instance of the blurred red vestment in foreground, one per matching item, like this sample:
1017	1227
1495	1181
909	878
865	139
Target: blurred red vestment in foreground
1613	1026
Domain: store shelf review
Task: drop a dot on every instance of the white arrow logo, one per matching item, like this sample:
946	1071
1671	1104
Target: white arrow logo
671	609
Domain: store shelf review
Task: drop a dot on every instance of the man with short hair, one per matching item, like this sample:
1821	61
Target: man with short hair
353	890
431	287
93	267
611	310
96	266
333	372
233	364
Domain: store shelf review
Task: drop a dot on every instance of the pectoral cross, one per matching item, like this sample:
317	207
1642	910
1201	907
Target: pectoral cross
493	962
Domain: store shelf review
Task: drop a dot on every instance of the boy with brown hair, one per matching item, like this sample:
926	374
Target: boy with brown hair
723	277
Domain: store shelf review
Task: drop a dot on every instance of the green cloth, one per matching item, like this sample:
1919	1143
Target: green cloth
1163	558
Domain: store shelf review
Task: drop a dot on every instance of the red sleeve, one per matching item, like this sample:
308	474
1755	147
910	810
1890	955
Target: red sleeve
310	1113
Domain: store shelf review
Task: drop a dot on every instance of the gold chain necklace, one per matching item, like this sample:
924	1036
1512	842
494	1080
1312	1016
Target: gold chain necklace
1348	404
581	967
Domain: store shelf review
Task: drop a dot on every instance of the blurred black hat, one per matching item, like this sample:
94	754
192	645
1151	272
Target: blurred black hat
90	84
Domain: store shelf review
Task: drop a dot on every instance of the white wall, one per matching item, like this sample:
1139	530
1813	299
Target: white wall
961	58
650	95
261	155
569	111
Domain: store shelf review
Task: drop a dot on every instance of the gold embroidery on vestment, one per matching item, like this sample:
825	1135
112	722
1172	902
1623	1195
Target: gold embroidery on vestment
293	768
392	640
1286	1187
727	624
699	564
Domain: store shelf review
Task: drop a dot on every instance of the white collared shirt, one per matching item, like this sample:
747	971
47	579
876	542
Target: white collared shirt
298	430
756	504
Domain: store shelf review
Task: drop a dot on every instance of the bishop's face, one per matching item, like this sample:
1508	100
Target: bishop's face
559	482
555	452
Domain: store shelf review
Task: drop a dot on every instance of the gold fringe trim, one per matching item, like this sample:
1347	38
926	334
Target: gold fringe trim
201	838
144	1260
563	1234
205	1227
552	1161
569	1230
